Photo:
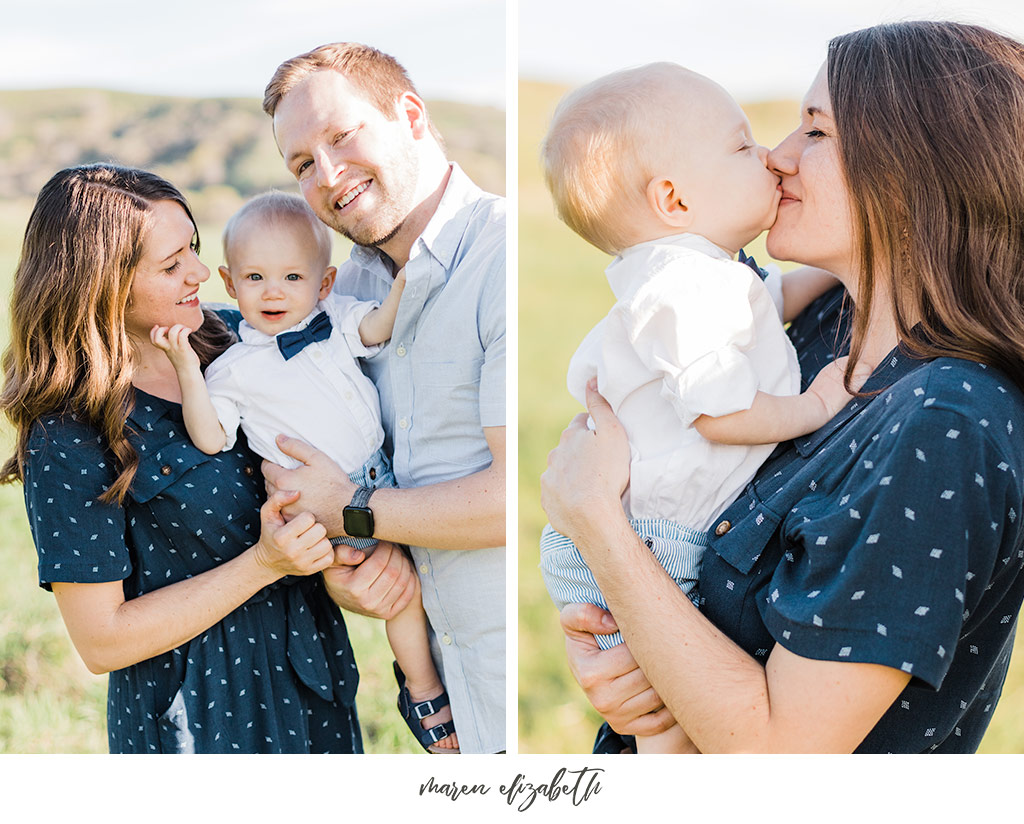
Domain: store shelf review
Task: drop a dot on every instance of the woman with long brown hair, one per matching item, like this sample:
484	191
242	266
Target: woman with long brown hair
862	593
168	573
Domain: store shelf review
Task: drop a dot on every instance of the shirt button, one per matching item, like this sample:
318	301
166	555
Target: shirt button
248	470
400	350
424	569
403	424
447	639
165	470
373	474
722	528
317	354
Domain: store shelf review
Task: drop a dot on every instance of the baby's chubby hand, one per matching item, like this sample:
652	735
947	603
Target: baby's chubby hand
173	341
828	385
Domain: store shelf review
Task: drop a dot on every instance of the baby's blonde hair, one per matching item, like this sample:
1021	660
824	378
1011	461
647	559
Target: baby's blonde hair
599	151
276	207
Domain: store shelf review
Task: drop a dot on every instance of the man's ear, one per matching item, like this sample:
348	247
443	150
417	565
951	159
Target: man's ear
225	275
668	203
328	282
413	111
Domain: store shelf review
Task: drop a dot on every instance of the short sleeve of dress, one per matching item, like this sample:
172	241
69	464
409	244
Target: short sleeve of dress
694	331
888	570
78	539
345	313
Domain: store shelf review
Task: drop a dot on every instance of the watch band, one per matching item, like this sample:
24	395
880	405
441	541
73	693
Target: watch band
361	497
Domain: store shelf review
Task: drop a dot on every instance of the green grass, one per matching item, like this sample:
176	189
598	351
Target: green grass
562	293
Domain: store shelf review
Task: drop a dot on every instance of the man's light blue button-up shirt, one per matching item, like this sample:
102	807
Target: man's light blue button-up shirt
441	380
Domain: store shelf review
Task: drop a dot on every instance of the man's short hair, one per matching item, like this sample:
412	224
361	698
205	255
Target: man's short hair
279	207
380	77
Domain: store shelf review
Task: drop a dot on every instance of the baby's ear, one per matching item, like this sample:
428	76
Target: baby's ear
225	275
668	203
328	282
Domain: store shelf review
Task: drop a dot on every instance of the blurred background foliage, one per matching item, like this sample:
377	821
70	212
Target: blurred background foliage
219	152
562	294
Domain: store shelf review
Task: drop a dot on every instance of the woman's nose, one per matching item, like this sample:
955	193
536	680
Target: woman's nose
784	158
199	271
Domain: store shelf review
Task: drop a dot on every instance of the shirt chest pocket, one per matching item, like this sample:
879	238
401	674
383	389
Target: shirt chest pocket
193	497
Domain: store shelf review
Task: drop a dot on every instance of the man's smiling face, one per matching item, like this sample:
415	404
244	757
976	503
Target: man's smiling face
356	168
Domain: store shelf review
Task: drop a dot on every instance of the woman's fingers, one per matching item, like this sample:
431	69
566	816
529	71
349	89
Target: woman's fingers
296	547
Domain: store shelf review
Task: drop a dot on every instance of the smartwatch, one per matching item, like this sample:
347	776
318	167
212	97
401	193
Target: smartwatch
357	517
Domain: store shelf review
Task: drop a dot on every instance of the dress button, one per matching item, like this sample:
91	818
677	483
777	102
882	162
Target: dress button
722	528
248	470
400	350
373	473
165	470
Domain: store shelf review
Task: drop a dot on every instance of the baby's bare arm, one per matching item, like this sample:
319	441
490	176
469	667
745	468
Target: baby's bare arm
377	325
196	408
801	286
775	418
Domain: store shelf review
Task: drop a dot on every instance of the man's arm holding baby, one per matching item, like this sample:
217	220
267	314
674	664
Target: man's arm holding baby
463	513
378	324
201	420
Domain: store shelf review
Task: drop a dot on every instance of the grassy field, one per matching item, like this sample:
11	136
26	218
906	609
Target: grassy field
49	702
562	293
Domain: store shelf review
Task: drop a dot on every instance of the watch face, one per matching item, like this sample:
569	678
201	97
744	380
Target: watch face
358	521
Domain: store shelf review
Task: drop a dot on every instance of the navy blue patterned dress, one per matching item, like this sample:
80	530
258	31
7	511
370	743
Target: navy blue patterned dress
893	536
276	675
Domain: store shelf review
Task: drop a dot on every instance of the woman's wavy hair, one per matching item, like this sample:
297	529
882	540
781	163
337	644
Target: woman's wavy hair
930	123
69	350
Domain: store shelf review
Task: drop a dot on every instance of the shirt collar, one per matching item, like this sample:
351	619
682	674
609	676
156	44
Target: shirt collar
444	231
254	337
624	277
148	410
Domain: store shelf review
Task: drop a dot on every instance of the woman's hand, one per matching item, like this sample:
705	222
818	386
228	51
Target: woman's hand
588	471
611	679
298	547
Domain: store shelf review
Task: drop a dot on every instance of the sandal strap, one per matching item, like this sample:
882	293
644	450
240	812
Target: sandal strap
439	732
414	712
422	709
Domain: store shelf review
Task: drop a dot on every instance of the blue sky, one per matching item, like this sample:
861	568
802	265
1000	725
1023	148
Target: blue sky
453	49
758	50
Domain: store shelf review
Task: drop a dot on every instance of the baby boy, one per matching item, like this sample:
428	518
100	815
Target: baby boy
657	166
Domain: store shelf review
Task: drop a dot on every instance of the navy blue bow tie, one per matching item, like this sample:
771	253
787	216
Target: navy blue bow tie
749	261
291	343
